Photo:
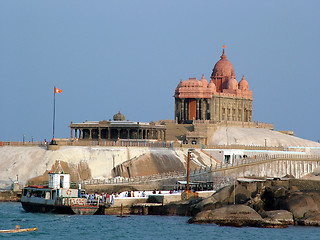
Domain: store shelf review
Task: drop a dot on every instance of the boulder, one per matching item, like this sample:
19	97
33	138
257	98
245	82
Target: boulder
223	194
281	216
232	215
237	216
311	220
209	203
300	204
240	195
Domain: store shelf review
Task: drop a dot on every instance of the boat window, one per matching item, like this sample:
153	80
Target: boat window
61	181
47	195
54	194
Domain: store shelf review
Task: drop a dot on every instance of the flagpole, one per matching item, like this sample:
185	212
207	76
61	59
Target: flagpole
54	112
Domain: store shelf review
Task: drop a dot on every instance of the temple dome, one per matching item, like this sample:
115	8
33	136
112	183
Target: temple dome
223	67
243	84
191	82
119	117
212	86
232	83
204	81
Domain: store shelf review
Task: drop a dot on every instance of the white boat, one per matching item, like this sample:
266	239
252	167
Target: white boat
19	230
57	197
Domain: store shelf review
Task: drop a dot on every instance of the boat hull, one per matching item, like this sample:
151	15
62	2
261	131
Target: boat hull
19	230
59	209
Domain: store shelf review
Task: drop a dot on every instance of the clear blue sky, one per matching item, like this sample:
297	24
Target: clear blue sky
130	55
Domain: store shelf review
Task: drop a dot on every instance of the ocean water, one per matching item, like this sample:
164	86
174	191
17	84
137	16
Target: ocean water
51	226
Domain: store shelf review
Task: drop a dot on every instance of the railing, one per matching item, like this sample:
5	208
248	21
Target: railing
20	144
255	124
246	147
120	143
202	170
135	180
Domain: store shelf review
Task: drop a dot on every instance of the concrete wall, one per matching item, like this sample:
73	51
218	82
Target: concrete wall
268	168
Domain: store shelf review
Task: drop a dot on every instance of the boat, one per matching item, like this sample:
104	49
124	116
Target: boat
58	197
19	230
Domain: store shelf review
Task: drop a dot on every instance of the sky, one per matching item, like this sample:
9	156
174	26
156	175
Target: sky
129	56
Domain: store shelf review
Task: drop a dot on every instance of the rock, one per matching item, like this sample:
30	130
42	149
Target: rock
257	204
237	216
281	216
312	220
209	203
223	194
233	215
280	192
300	204
240	195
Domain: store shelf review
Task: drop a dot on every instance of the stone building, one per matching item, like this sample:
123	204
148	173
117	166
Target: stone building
117	129
222	99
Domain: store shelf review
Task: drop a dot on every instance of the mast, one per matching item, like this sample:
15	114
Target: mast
54	111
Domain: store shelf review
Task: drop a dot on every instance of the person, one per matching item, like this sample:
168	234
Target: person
112	199
107	197
154	191
143	194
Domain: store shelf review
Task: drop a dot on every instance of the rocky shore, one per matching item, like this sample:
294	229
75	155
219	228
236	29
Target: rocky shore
270	203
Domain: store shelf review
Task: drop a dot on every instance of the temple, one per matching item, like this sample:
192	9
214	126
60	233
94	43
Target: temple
223	99
117	129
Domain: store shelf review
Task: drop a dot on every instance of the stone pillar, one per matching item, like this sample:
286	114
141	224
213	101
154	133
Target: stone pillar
109	133
76	133
81	133
118	133
208	110
182	110
186	107
71	135
90	134
128	130
203	109
198	110
99	133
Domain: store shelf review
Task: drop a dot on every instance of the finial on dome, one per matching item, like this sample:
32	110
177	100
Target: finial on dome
243	77
202	76
223	56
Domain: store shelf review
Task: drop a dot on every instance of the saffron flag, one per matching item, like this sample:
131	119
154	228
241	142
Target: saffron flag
223	46
57	90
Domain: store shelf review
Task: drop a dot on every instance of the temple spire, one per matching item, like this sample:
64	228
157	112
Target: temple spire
223	56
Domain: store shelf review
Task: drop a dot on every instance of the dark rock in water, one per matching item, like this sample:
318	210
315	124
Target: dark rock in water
310	220
237	216
282	216
217	200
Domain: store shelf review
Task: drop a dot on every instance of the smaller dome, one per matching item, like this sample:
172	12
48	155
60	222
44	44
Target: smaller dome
212	86
243	84
232	83
119	117
204	81
191	82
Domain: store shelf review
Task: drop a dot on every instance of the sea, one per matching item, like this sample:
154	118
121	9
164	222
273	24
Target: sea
54	226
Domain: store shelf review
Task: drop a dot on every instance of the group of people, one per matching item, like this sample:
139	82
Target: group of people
109	198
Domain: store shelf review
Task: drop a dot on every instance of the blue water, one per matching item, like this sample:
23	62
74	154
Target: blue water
52	226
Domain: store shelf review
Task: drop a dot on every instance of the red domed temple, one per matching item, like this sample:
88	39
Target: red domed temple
221	99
